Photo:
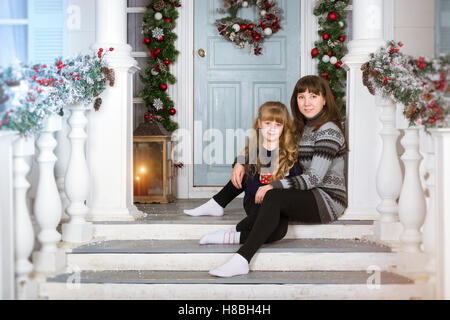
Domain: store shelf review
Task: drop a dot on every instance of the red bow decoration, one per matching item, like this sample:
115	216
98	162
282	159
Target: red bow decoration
155	53
265	178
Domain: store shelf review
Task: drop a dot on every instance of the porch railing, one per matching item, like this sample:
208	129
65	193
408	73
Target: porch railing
414	210
58	190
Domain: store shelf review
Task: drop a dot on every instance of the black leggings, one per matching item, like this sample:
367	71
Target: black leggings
268	222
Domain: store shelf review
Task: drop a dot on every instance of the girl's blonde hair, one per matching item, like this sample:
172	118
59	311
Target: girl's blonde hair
288	143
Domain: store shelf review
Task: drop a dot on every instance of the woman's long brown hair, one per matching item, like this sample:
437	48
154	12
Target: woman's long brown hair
319	86
288	143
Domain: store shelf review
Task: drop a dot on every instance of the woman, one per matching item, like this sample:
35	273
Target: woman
316	196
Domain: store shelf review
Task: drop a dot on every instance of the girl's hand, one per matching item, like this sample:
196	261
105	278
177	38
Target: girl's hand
237	174
259	197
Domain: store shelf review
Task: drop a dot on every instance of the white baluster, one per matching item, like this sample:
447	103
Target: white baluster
47	205
62	152
77	180
429	227
412	206
389	175
441	139
23	233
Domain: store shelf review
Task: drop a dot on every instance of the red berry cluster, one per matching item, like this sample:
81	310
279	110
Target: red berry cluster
421	63
149	117
100	52
436	112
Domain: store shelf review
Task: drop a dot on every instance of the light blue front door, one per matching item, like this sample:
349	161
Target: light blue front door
230	84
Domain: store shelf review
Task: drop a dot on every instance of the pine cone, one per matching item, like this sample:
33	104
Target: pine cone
427	96
411	110
109	75
159	6
375	73
97	104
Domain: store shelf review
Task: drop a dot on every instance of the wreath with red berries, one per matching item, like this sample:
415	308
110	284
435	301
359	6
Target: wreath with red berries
246	33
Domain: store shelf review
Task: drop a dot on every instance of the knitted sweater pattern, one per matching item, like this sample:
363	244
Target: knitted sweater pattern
321	154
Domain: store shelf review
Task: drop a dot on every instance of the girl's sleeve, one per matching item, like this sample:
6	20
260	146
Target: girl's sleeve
328	145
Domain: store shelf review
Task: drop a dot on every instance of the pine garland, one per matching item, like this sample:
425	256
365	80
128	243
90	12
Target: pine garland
331	47
157	27
420	84
29	94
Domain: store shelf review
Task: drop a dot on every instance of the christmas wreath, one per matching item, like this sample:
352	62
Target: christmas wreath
246	33
331	47
157	27
420	84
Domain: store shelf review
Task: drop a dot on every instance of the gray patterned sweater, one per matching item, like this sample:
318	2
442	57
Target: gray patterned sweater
321	154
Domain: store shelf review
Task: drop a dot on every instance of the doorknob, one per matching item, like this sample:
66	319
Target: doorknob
201	53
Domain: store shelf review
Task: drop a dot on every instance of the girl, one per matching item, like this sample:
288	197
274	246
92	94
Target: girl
319	194
270	155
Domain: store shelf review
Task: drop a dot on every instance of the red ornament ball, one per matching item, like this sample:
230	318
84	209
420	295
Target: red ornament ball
257	37
163	87
314	52
168	20
326	36
147	40
342	38
339	64
243	27
332	16
167	62
172	111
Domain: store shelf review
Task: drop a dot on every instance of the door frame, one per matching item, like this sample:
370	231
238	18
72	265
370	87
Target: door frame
183	93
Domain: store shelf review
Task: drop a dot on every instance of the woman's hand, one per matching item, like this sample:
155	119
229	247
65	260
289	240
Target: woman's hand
259	197
237	174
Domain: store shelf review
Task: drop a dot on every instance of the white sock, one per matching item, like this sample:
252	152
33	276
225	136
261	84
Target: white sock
229	236
210	208
237	265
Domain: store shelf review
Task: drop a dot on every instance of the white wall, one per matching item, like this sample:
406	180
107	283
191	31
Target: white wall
81	25
414	26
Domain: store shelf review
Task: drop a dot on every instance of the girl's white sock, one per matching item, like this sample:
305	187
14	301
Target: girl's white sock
237	265
210	208
229	236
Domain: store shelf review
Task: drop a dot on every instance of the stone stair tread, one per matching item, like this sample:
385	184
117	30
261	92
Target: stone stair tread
192	246
231	218
252	278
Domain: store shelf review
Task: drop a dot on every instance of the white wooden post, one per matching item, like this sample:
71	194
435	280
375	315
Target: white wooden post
110	143
62	152
389	175
364	143
430	239
412	206
77	180
23	227
47	204
442	208
7	285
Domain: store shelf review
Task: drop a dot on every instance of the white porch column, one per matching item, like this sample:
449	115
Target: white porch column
442	210
109	152
362	112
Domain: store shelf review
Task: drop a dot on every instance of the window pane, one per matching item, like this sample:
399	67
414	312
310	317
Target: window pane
138	3
13	9
14	44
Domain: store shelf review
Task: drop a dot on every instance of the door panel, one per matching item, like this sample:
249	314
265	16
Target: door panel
231	83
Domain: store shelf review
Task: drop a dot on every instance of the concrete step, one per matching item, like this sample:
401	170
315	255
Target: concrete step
178	226
192	285
284	255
